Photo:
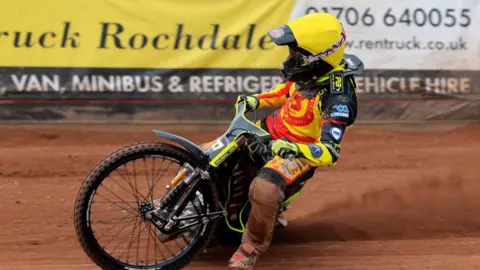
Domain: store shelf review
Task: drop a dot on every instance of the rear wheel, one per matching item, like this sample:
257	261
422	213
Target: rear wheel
108	211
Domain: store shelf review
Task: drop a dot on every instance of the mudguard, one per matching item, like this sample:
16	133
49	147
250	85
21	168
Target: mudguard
197	152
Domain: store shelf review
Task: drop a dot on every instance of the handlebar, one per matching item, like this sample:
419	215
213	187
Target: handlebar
291	157
266	150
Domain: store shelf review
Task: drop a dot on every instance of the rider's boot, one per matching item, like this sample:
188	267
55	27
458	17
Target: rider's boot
265	198
244	258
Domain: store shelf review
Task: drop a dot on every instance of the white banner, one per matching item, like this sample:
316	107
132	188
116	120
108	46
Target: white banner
407	34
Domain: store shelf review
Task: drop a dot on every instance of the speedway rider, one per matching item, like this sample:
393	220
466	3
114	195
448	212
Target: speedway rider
317	102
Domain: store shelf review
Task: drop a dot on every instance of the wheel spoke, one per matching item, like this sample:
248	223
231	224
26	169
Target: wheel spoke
156	182
114	237
148	243
146	176
135	181
130	245
127	180
119	206
134	190
130	191
151	231
111	228
152	175
122	230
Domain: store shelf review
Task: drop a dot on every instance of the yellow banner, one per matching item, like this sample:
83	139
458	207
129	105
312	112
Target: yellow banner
141	33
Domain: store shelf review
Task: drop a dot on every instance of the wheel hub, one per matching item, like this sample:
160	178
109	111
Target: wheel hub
145	208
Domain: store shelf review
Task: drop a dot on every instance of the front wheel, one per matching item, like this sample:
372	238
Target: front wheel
109	211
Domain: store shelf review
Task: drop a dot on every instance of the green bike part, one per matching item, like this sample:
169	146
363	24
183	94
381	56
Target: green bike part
242	230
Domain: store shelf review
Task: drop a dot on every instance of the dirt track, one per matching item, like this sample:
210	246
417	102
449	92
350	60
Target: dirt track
396	200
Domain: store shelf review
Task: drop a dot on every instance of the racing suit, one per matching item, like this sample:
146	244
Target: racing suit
317	125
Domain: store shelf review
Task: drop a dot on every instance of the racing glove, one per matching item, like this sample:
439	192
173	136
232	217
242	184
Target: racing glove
283	148
251	102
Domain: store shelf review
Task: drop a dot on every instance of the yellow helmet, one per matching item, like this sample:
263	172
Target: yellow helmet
316	42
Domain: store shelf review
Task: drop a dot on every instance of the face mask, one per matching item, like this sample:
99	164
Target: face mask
295	67
301	68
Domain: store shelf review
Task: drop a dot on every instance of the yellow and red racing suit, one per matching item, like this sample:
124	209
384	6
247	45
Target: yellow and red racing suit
317	124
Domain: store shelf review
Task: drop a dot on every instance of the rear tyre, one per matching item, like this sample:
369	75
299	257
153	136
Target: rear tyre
83	223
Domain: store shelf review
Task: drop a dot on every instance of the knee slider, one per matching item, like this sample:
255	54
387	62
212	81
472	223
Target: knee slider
265	192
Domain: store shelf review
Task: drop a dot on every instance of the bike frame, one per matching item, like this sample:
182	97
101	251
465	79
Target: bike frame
211	159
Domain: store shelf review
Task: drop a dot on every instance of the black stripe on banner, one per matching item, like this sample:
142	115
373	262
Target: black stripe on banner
216	84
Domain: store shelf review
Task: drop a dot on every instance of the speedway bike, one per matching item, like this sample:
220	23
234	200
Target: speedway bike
204	204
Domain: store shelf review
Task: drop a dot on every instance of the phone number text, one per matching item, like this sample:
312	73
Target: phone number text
411	17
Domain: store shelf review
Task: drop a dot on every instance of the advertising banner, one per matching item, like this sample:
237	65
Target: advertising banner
215	50
410	47
139	49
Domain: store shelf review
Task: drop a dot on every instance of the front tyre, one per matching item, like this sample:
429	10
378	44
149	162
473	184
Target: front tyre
116	241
